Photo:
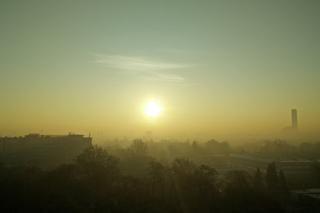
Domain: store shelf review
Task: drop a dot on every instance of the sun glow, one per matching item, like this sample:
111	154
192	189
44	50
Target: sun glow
152	109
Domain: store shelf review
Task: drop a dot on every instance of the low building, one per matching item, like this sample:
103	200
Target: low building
45	151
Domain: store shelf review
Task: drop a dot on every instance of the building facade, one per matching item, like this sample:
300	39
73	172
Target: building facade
43	151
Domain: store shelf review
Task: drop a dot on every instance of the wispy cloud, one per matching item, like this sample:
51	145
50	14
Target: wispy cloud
135	63
164	77
147	68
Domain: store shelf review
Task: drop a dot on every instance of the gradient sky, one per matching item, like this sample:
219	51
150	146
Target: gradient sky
216	67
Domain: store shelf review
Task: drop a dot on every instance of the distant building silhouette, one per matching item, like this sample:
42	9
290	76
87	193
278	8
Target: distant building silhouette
294	119
44	151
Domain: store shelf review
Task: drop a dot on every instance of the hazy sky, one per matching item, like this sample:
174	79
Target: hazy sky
216	67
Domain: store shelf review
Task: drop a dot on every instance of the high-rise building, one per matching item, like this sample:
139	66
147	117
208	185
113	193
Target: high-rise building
294	118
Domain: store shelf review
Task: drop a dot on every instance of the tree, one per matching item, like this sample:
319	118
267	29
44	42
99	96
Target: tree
238	181
283	186
157	178
205	184
183	167
138	147
96	161
272	177
156	171
258	182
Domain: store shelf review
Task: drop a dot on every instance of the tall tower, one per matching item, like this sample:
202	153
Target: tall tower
294	118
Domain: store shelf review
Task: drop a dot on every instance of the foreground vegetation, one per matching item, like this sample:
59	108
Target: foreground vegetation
99	182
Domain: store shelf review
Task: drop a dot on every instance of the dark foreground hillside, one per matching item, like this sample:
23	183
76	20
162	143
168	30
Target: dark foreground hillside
96	183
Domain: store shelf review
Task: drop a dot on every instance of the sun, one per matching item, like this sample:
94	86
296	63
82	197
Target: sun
152	109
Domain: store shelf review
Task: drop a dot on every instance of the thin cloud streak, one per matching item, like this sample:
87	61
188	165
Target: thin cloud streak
149	69
164	77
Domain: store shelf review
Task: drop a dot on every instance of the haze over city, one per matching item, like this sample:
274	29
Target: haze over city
153	106
216	68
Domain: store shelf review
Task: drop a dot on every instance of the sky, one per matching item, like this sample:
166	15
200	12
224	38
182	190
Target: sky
215	67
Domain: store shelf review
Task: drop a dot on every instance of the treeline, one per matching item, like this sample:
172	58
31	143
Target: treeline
96	182
281	149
